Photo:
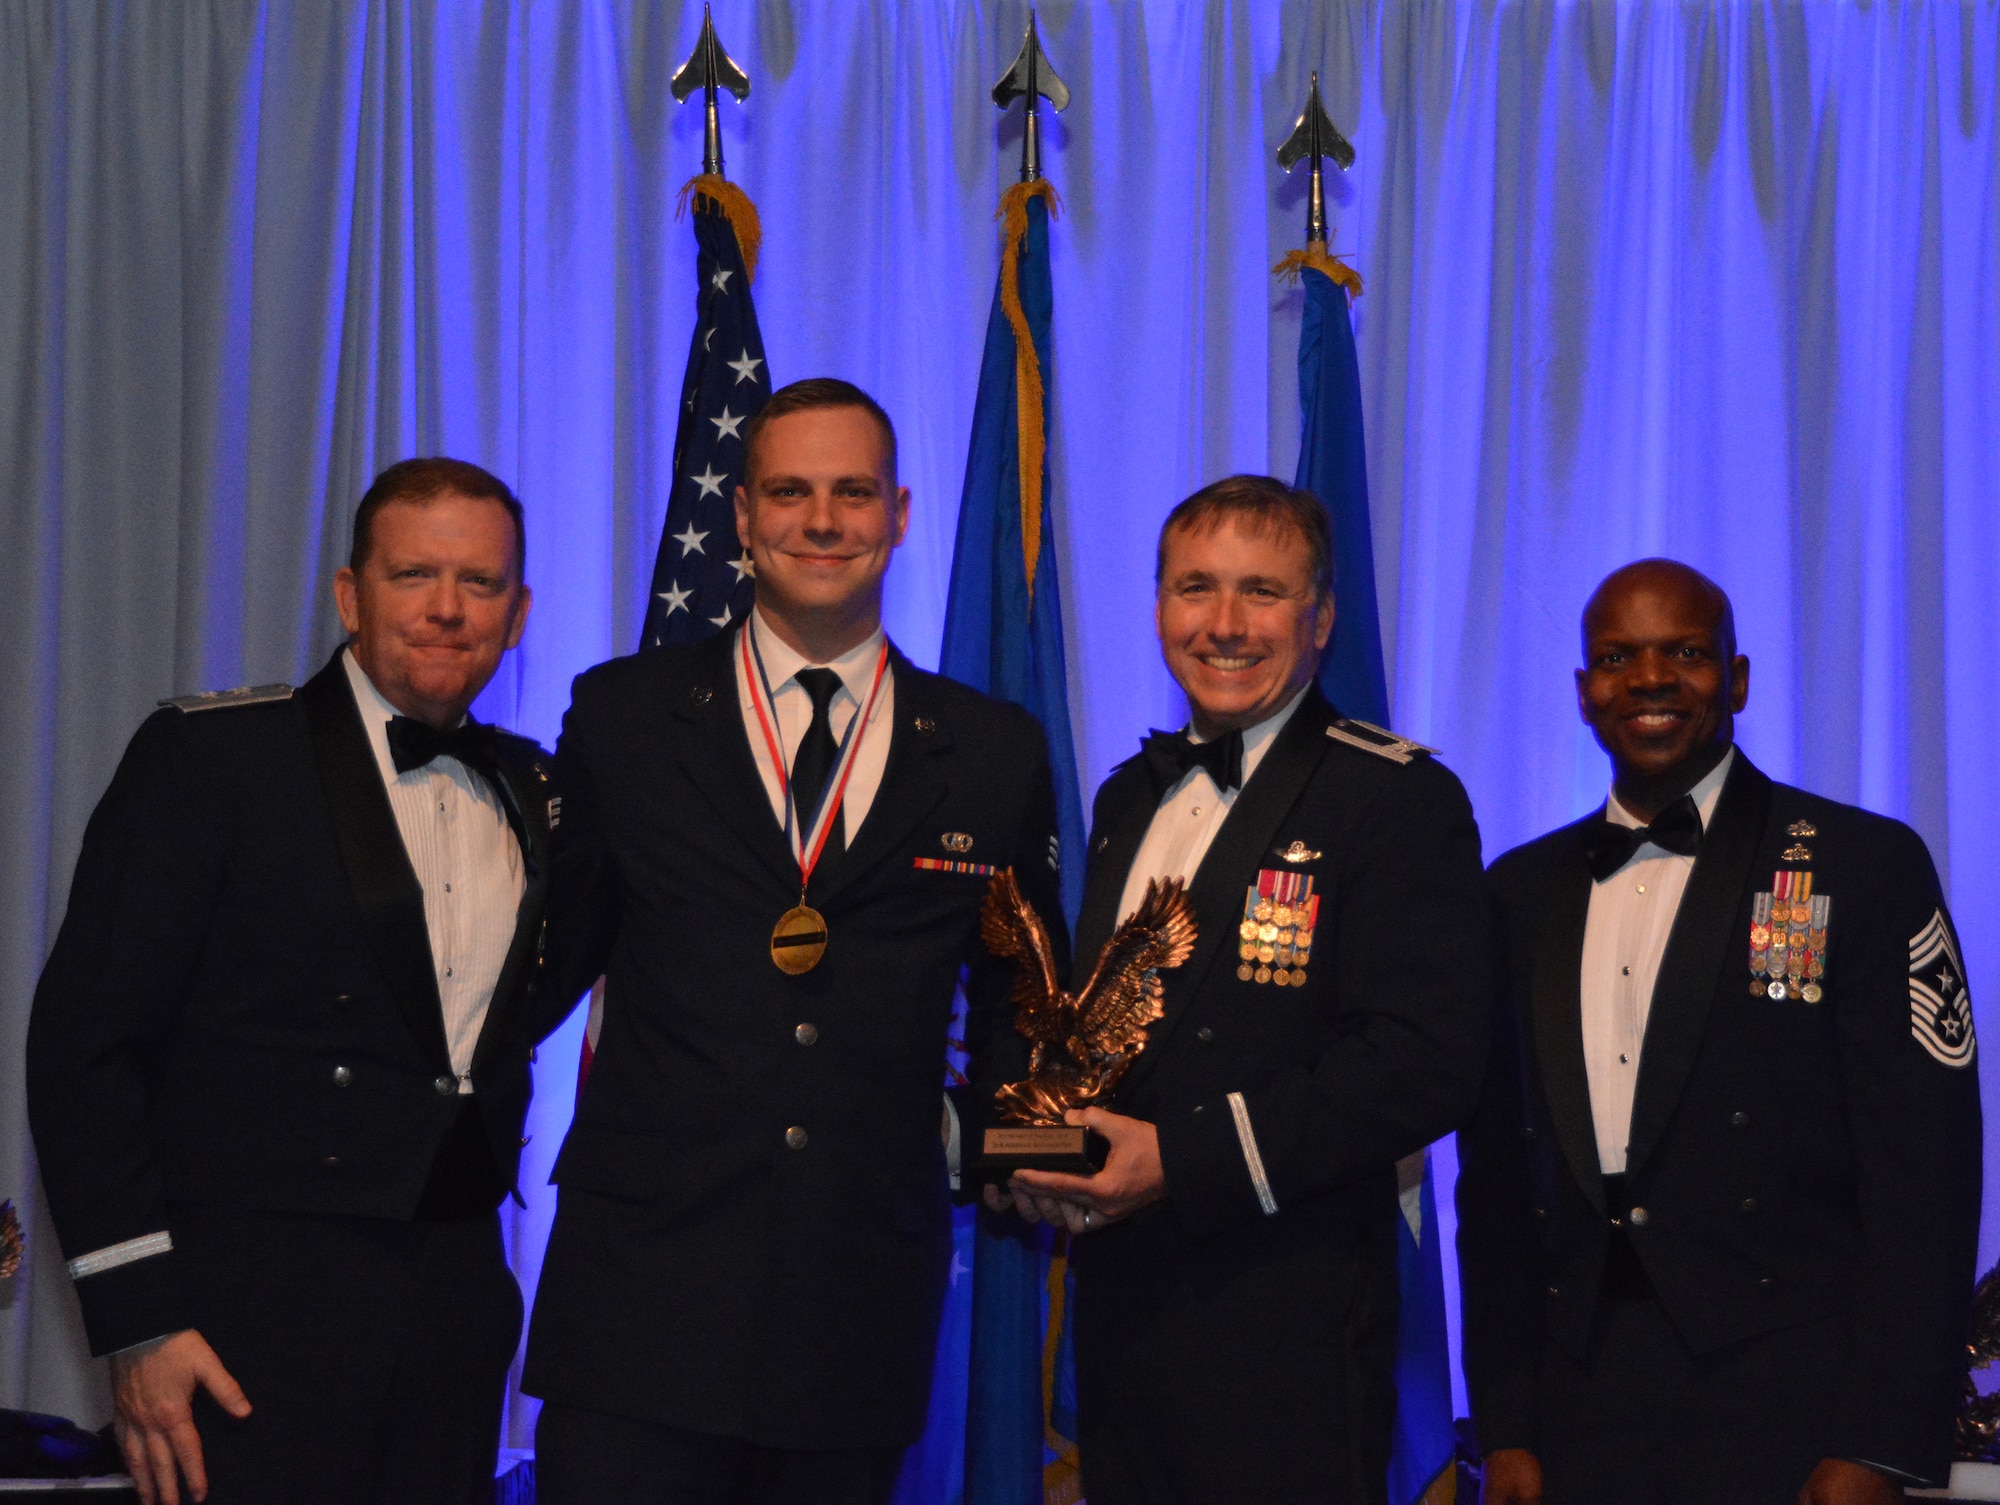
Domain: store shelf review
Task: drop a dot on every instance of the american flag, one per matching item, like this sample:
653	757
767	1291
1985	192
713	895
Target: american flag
702	578
702	581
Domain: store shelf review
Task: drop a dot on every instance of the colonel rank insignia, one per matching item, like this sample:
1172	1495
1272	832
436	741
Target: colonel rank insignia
1788	939
1940	1008
1276	936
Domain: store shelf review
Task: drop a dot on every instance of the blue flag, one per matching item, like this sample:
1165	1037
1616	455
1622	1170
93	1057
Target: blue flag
991	1439
1332	465
702	581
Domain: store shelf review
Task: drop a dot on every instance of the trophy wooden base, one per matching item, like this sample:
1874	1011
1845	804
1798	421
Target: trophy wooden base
1014	1147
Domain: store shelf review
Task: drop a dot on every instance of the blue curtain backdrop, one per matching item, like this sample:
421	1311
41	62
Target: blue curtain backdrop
1716	280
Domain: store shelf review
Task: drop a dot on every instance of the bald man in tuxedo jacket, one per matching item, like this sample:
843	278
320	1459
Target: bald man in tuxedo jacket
1718	1209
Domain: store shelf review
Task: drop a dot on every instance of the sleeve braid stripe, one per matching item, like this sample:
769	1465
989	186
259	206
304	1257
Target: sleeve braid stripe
1251	1158
99	1260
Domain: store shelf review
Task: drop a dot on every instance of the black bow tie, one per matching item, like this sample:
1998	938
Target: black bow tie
414	743
1172	757
1609	847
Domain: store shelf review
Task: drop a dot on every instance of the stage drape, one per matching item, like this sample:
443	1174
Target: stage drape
1713	280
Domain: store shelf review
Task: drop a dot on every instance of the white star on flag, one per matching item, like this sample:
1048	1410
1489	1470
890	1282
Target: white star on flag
743	564
746	368
723	620
690	541
709	482
720	281
726	425
676	599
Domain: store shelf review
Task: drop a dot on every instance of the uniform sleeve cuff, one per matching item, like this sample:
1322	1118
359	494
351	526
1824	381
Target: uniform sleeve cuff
131	1302
1209	1179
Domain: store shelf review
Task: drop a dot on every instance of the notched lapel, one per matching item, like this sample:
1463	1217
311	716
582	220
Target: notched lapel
1557	1008
385	887
915	780
716	755
1703	938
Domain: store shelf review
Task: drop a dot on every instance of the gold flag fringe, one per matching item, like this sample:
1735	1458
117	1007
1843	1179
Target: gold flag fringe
1028	392
736	208
1062	1477
1315	257
1444	1488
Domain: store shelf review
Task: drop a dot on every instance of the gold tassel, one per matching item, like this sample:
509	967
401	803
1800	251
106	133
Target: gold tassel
1062	1478
1027	368
1315	256
736	208
1444	1488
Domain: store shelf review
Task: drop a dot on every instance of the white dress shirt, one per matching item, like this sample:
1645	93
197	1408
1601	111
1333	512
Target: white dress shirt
456	834
1631	915
794	707
1192	812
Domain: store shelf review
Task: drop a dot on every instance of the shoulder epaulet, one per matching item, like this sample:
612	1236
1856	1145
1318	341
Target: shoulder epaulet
1377	740
217	700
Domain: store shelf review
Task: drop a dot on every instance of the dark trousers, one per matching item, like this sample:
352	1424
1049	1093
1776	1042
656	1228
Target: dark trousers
585	1457
374	1355
1640	1420
1266	1379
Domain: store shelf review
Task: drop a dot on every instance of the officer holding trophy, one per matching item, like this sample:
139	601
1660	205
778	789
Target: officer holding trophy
1236	1256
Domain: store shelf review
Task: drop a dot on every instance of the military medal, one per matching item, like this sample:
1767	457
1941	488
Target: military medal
1788	939
1279	911
798	940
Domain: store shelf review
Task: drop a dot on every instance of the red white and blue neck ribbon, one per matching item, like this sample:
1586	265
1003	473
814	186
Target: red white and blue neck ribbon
807	833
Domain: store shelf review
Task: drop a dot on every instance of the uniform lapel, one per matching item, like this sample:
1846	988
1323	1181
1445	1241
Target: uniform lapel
524	785
1557	1010
717	757
1113	847
914	782
385	886
1703	938
1232	859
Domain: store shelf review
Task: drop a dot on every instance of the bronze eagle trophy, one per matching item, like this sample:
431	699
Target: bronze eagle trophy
1082	1043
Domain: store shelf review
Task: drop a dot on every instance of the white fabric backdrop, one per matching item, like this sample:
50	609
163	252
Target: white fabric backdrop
1713	279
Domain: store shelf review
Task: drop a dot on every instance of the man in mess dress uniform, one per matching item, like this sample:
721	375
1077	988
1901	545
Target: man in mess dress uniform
278	1060
1236	1297
1718	1209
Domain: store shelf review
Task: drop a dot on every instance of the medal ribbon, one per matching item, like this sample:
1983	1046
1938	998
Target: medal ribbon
808	841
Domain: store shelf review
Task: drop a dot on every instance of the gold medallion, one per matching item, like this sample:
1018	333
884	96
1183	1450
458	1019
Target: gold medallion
799	940
1263	910
1811	992
1267	954
1248	930
1244	973
1298	977
1282	915
1268	934
1248	951
1282	977
1263	974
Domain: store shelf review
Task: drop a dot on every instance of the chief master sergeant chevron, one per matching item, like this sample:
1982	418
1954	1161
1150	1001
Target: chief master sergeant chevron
1236	1267
278	1060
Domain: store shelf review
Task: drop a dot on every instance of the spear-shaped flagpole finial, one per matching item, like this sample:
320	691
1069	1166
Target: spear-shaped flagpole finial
709	68
1031	77
1314	137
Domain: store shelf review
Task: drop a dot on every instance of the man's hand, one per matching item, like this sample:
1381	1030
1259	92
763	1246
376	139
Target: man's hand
1510	1476
1131	1178
1035	1209
154	1386
1838	1482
